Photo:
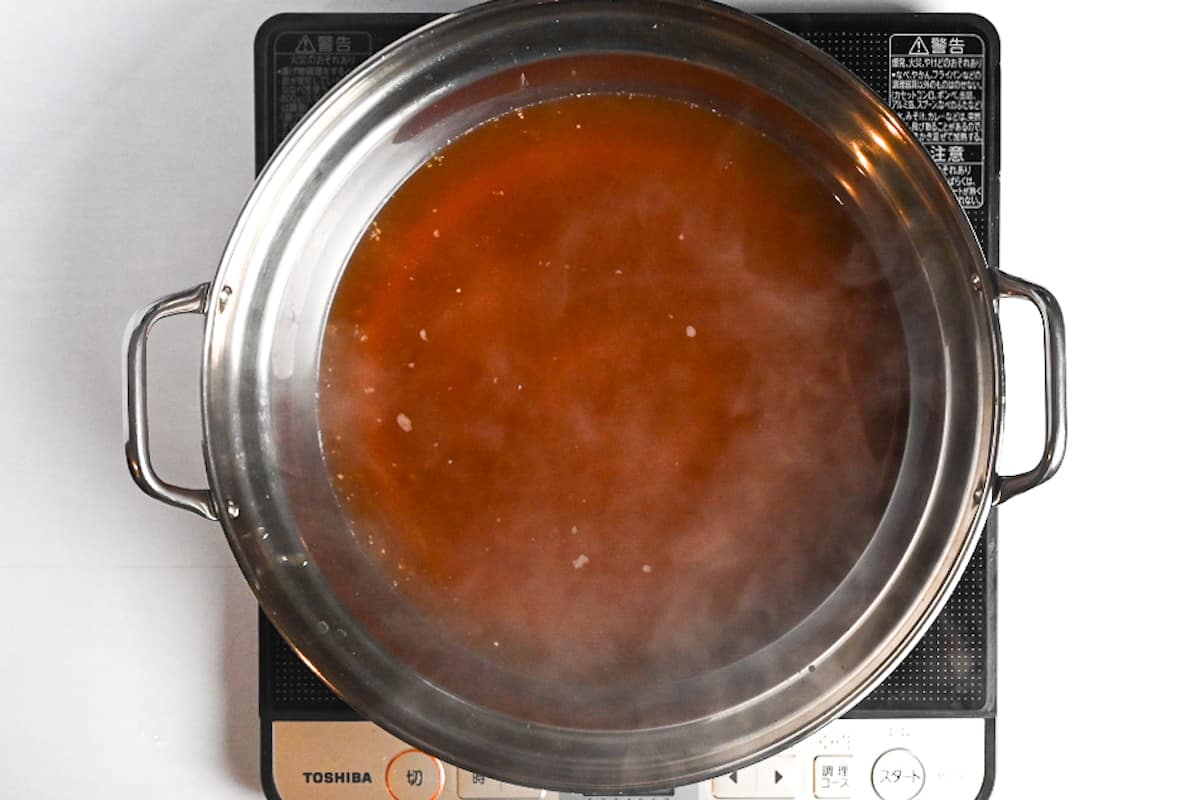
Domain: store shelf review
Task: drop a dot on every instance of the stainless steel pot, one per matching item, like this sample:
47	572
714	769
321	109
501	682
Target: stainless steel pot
265	312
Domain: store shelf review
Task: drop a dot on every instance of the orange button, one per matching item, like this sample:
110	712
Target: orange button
414	775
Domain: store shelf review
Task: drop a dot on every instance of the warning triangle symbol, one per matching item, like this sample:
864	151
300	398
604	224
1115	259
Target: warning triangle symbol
918	47
305	46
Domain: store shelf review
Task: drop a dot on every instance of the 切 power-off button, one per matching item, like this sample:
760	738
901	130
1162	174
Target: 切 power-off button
414	775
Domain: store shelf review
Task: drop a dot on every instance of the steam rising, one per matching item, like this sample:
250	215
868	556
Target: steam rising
571	487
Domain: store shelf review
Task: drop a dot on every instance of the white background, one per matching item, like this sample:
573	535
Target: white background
126	147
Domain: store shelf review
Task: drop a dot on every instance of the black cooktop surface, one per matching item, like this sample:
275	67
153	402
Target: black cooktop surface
940	72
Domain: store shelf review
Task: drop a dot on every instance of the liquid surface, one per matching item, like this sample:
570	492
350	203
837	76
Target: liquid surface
614	385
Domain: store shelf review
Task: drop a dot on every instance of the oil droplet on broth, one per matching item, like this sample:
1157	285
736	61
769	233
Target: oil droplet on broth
737	474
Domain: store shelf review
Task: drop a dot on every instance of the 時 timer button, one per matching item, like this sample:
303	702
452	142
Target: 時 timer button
473	786
414	775
897	775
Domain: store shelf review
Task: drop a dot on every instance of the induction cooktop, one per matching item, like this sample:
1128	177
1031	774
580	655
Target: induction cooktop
928	731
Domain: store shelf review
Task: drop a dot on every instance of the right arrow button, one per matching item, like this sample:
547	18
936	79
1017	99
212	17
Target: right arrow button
775	777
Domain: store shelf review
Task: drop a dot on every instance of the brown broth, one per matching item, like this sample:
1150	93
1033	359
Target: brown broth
614	383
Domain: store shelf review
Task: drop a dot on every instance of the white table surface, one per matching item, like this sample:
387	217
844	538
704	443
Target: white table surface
126	146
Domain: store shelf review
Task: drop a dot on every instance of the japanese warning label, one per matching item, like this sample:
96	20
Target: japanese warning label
935	84
307	65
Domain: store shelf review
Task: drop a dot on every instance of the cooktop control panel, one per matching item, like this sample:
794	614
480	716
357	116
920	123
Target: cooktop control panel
850	759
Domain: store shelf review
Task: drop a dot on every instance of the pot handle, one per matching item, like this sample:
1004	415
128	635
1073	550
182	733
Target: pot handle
137	424
1055	354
